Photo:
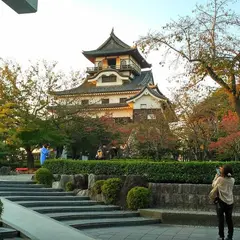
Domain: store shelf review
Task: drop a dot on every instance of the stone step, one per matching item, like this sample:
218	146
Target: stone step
16	189
185	217
46	198
15	238
92	215
8	233
59	203
21	186
93	208
16	182
110	222
17	193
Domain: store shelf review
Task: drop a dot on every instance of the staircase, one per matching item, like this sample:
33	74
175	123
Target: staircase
8	233
75	211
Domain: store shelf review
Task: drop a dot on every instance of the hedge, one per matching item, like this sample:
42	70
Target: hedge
165	172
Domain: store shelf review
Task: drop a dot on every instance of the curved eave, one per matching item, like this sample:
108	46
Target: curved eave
69	94
106	70
91	55
131	99
108	108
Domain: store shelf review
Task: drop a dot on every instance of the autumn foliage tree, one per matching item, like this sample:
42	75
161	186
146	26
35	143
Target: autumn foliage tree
229	140
207	43
199	121
154	139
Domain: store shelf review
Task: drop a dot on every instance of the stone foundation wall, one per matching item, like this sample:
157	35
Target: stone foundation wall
186	196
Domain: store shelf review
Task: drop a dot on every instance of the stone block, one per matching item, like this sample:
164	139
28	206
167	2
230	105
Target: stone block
65	179
82	193
56	185
92	178
130	182
80	181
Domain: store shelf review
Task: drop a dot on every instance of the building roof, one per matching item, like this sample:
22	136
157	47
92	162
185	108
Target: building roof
115	46
137	84
91	106
155	92
113	42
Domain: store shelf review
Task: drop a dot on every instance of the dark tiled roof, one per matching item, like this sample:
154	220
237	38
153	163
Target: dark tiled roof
76	108
113	42
112	46
155	93
138	83
109	105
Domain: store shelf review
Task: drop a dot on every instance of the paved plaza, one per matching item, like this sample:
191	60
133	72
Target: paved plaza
157	232
17	177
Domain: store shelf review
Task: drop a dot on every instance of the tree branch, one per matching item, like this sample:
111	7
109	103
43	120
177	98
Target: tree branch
217	79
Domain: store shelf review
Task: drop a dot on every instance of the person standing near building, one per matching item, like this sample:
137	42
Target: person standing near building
224	202
44	154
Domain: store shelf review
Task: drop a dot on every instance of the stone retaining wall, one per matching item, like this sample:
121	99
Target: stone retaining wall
186	196
164	195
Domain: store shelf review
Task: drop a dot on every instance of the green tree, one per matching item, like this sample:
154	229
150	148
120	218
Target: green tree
25	119
208	43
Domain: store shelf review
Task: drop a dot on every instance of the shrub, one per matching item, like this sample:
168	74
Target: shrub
111	189
138	197
1	208
44	176
69	186
5	170
97	187
165	172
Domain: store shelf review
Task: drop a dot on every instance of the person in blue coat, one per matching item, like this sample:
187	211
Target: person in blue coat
44	153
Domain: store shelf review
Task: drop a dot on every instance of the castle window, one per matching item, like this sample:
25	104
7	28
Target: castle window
107	79
112	62
105	101
151	116
143	106
123	64
123	100
85	102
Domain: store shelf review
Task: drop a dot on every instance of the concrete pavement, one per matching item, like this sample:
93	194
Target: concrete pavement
157	232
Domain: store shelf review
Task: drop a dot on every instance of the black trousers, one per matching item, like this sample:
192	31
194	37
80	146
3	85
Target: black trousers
223	208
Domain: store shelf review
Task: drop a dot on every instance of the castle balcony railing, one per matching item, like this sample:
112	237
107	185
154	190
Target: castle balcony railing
126	67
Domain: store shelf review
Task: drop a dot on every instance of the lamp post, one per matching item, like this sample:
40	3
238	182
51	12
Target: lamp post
22	6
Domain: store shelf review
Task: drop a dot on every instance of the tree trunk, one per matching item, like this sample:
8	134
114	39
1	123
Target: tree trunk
236	104
30	158
59	151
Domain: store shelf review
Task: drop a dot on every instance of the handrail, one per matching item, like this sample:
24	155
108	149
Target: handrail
116	67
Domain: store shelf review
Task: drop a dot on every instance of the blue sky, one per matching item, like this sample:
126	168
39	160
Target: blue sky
61	29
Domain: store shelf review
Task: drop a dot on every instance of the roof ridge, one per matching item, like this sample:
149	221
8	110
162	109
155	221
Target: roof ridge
116	39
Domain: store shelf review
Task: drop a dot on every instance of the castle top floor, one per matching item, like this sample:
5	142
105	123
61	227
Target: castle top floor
115	54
